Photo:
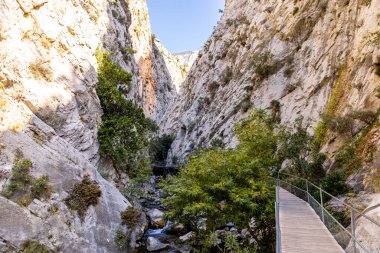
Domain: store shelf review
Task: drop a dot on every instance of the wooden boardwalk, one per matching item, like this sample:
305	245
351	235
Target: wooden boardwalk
302	231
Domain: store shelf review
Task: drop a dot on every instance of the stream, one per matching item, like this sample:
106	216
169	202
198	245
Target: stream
160	236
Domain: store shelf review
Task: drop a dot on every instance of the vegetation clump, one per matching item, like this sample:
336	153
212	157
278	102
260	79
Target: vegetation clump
123	134
225	185
23	188
263	66
130	217
122	239
34	247
84	194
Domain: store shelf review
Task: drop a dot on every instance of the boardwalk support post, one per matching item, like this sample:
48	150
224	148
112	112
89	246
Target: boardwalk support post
322	212
353	229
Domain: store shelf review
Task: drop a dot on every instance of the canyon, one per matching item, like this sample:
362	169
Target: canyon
291	58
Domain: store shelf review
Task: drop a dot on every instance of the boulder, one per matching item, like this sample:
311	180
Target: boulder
187	236
176	229
156	218
153	244
185	249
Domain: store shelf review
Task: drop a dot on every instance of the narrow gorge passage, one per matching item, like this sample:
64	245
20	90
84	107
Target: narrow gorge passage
159	125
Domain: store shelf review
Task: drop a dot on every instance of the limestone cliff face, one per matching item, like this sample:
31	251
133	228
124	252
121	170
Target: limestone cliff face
304	48
292	58
50	112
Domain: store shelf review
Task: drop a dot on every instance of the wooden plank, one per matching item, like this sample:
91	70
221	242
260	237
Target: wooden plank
302	231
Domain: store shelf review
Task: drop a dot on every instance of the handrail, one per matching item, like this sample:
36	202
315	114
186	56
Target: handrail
360	213
320	203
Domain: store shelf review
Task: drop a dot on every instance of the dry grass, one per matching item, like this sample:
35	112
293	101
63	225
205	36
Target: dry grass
40	71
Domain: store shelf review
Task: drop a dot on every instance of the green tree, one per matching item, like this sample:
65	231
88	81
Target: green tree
230	185
123	134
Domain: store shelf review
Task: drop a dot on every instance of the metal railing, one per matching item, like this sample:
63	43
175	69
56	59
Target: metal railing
316	197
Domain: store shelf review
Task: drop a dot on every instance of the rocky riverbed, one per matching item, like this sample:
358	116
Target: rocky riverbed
161	236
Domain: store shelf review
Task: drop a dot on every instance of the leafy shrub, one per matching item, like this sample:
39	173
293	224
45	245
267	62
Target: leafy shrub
123	135
213	87
40	187
365	116
288	72
263	66
159	148
84	194
130	217
276	110
244	105
230	22
34	247
341	125
292	87
345	124
23	187
228	75
340	216
335	184
347	159
237	178
217	143
122	239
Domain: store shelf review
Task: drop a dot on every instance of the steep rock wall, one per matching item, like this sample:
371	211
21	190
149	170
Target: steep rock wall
303	49
50	112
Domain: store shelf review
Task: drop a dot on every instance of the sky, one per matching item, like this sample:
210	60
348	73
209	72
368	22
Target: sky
183	25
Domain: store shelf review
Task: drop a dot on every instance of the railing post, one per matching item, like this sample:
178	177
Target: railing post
278	233
353	229
307	191
322	209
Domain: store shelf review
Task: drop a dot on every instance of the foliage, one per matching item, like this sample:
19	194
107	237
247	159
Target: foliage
237	178
34	247
345	124
159	148
263	66
340	125
228	75
347	159
123	135
84	194
230	243
340	216
320	133
130	217
364	116
23	187
298	147
122	239
41	187
334	183
244	105
276	110
217	143
230	22
288	72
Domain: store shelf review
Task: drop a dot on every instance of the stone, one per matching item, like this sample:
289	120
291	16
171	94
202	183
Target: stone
153	244
187	237
156	218
185	249
176	229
